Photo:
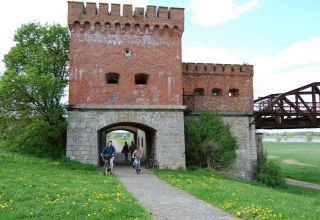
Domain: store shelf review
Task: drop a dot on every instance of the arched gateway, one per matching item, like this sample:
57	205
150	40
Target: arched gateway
163	129
126	72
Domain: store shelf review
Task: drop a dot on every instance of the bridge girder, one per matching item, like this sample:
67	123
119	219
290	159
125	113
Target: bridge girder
298	108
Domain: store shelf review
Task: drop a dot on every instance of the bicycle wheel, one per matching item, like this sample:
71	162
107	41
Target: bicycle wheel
155	164
147	166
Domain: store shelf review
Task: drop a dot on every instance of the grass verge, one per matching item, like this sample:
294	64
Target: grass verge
305	153
32	188
246	200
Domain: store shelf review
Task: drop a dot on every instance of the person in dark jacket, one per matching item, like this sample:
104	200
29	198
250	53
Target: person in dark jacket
125	151
109	151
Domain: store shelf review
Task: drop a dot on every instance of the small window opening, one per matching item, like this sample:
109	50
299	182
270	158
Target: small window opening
141	78
216	92
112	78
198	92
233	92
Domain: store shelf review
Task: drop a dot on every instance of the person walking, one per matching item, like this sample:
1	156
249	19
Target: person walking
125	151
132	148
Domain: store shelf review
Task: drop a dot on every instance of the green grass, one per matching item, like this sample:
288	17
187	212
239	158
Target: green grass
306	153
246	200
32	188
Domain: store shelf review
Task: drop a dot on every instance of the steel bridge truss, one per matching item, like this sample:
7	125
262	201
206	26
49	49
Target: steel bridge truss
298	108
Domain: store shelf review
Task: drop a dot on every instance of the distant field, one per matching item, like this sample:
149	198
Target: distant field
299	161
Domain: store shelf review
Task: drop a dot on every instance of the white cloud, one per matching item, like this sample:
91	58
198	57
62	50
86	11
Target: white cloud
216	12
290	68
204	54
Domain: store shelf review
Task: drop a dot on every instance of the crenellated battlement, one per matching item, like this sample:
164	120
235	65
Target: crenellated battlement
153	18
212	68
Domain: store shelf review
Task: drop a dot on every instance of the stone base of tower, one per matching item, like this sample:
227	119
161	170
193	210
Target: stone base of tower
246	161
163	127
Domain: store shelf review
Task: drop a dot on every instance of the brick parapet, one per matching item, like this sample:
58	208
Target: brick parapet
161	17
211	68
218	82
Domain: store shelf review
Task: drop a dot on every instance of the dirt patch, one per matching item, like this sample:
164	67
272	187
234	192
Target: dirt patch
295	162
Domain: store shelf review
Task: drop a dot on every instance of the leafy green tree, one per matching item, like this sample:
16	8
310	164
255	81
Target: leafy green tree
31	89
209	141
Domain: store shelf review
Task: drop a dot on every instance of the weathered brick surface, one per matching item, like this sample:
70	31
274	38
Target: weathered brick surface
224	77
98	46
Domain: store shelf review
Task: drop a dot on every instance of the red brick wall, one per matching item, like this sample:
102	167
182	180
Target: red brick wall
99	38
98	42
224	77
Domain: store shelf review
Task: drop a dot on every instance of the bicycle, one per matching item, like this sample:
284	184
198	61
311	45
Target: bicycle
107	168
152	163
136	164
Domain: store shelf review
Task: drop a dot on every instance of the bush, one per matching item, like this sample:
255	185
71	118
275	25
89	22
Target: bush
209	142
269	172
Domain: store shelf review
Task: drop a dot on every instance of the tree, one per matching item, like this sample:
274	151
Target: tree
309	136
32	87
209	141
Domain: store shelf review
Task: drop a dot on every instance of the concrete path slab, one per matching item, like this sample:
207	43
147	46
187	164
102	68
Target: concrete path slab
164	201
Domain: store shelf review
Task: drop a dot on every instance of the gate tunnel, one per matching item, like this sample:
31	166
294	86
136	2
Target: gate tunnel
145	139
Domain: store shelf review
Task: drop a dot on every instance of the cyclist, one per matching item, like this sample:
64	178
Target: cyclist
136	155
108	152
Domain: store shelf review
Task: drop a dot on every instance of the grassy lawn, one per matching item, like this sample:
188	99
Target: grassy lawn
32	188
306	153
246	200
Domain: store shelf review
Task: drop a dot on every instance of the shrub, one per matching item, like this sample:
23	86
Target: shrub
269	172
209	142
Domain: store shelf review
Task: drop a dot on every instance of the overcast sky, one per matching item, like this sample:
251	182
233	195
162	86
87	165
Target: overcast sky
281	38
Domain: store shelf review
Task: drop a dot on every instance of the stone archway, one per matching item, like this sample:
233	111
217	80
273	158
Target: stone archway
148	146
164	128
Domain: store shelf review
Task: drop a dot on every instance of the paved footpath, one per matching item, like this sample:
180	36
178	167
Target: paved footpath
164	201
303	184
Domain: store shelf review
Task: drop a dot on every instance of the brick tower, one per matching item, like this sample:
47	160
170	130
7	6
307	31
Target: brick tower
126	73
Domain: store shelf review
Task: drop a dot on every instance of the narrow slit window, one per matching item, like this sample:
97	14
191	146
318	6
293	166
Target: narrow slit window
233	92
141	78
216	92
112	78
198	92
